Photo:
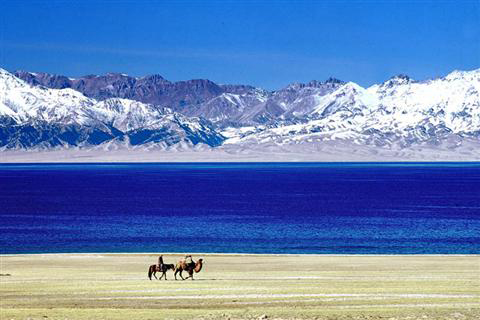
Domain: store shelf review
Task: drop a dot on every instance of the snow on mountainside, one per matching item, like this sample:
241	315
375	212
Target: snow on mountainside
223	104
398	114
37	117
288	103
153	89
228	108
23	102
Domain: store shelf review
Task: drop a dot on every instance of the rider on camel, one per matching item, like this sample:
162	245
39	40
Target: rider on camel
189	261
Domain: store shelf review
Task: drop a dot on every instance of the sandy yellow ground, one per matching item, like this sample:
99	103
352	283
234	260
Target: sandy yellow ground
115	286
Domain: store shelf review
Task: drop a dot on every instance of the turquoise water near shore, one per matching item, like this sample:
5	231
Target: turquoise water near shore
341	208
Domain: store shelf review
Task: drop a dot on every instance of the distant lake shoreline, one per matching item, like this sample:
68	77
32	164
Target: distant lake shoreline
247	165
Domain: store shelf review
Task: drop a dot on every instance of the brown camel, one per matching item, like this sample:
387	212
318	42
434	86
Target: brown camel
191	267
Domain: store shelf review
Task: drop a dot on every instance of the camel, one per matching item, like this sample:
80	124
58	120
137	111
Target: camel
191	267
153	269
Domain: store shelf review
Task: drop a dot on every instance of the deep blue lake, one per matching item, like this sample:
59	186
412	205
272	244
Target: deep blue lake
352	208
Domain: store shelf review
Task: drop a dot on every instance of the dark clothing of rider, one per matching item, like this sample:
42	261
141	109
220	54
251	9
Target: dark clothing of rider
189	261
160	262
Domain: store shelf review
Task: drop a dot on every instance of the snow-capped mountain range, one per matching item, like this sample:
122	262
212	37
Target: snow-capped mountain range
397	113
39	117
38	110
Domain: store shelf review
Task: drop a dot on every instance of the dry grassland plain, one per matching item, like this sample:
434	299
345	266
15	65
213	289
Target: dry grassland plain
116	286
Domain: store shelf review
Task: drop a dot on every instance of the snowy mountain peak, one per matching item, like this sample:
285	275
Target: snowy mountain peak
473	75
400	79
350	87
6	77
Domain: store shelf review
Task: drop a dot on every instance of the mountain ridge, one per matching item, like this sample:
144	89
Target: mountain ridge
398	114
36	117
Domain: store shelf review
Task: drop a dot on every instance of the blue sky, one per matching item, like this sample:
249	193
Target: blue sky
264	43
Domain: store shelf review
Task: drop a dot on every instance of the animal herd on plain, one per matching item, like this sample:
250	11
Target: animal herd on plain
186	264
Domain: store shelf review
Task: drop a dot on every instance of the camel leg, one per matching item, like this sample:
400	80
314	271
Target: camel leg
179	271
190	275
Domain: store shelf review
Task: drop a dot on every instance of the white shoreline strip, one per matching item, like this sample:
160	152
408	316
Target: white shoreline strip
91	254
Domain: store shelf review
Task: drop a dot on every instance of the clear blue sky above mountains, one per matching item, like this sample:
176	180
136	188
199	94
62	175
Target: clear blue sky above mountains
264	43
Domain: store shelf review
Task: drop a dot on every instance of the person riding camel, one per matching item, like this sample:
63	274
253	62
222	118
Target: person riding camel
189	261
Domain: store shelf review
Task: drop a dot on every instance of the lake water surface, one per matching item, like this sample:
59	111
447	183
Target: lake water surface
352	208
